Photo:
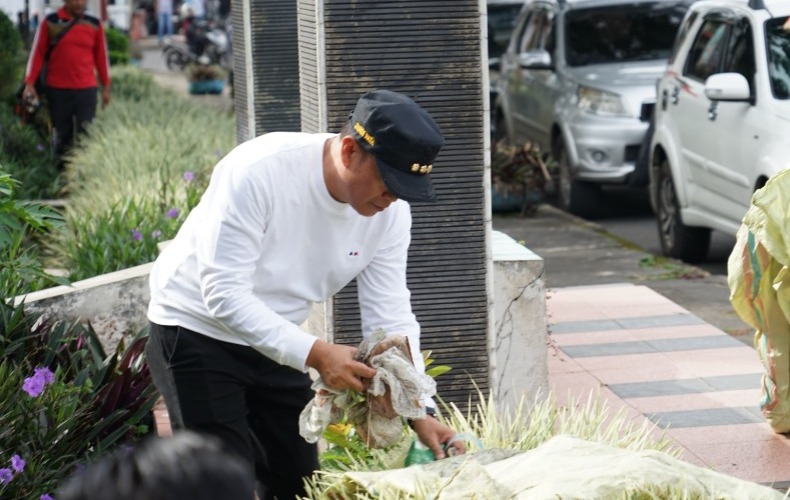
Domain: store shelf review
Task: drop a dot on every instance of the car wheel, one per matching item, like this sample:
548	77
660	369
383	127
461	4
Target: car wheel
576	197
678	240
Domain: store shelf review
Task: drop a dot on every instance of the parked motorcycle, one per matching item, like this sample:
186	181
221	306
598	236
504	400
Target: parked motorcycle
205	42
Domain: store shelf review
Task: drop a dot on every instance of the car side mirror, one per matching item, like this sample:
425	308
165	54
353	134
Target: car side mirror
727	87
535	59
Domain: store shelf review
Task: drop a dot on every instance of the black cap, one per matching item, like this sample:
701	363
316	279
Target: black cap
403	137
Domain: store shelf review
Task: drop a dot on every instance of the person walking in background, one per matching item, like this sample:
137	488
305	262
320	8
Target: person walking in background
288	220
164	15
23	25
71	48
198	8
34	21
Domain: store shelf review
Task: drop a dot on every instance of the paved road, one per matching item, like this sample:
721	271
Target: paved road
627	214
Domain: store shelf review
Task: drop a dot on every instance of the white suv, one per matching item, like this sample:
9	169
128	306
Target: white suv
722	120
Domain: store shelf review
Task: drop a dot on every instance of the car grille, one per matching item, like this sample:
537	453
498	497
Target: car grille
631	153
646	113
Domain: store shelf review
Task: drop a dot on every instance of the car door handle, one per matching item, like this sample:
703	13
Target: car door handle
675	95
713	111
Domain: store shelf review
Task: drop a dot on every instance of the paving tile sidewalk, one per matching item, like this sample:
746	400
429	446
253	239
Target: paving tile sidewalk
651	357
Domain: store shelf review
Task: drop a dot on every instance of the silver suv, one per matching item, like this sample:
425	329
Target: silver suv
722	124
578	79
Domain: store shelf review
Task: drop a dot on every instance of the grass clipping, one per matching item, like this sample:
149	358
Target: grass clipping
506	433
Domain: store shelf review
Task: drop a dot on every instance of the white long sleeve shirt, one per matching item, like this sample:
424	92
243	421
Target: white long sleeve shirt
267	240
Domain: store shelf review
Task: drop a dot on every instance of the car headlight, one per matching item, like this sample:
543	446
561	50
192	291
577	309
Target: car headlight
601	103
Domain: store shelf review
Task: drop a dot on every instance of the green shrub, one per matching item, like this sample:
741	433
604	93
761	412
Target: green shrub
131	84
139	144
125	236
28	157
205	72
20	269
11	57
129	171
117	46
90	405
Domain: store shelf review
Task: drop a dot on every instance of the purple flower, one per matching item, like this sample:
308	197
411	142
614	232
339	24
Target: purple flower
189	176
172	213
17	463
218	152
136	235
6	476
33	385
46	496
156	234
45	373
40	146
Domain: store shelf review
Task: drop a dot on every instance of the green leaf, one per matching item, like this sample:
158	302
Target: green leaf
437	370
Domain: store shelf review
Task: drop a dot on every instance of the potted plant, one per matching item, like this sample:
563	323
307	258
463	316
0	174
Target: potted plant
519	177
205	78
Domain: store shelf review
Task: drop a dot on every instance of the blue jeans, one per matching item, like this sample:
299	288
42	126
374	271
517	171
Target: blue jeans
165	25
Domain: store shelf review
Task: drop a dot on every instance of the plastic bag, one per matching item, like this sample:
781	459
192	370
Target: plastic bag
758	273
395	392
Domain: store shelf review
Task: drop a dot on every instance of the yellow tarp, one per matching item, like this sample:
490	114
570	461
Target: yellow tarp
759	278
563	467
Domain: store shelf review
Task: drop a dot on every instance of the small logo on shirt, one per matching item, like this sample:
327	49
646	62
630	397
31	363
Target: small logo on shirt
353	254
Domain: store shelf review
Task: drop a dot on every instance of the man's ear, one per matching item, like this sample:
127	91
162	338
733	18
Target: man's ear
348	147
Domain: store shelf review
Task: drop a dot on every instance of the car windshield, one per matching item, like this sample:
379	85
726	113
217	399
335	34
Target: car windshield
777	34
501	21
622	33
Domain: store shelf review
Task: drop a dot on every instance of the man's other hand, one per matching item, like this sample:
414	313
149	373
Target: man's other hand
434	435
105	97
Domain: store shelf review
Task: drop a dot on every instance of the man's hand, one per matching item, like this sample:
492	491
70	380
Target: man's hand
337	367
30	92
434	434
105	96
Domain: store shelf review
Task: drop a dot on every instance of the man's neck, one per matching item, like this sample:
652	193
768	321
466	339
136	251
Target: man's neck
70	14
329	162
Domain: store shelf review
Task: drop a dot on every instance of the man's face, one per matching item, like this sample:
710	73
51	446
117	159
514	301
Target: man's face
365	189
75	8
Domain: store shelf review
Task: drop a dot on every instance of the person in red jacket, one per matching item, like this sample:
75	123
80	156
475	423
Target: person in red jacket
71	69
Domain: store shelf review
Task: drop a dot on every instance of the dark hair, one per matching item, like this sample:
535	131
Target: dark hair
185	466
346	128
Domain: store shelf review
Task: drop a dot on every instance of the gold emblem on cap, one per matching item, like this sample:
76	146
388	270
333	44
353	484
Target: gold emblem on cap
364	134
421	169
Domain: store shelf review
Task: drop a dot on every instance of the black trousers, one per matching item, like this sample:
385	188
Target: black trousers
236	393
70	110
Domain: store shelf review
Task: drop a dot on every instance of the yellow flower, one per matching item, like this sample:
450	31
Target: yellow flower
340	429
